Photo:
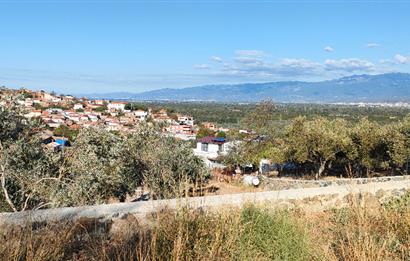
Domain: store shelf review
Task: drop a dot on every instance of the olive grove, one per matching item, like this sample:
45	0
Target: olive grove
98	167
321	146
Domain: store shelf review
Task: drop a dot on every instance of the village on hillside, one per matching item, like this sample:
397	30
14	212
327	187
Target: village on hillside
62	116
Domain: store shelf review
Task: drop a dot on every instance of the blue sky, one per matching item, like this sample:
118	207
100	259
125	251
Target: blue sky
108	46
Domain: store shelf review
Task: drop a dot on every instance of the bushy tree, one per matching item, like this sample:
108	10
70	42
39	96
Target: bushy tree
30	174
204	132
25	167
102	165
168	166
221	134
65	131
261	118
335	146
317	142
92	168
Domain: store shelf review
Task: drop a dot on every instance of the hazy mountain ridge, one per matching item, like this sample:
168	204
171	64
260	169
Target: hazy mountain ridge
392	87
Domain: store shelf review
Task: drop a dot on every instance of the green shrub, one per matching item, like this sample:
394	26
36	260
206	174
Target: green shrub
271	236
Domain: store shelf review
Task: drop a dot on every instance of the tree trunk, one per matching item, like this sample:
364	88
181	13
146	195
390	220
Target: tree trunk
321	169
6	194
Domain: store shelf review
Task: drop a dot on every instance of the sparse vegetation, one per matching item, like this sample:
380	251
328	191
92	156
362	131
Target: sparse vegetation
254	233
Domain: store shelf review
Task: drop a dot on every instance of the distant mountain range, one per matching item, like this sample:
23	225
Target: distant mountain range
391	87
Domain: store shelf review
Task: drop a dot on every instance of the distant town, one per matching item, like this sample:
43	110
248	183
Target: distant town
62	116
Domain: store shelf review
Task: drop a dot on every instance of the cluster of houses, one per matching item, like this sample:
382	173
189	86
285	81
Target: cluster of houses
75	113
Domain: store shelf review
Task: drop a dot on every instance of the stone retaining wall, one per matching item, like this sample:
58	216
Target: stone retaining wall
310	199
288	183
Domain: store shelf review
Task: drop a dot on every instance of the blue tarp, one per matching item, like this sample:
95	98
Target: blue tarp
62	142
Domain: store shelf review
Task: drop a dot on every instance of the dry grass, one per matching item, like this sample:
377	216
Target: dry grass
253	233
362	233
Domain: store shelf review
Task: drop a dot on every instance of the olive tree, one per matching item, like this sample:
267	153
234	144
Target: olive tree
260	119
379	147
317	142
26	169
168	166
92	169
100	165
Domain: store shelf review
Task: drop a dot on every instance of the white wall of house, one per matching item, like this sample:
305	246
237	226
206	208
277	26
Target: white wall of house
116	106
210	150
78	106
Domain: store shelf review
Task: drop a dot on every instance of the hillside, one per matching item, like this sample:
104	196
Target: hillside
390	87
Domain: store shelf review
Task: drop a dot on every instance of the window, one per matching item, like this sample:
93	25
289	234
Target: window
204	146
220	147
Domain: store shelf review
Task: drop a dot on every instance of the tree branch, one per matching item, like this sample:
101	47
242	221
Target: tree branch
6	194
3	184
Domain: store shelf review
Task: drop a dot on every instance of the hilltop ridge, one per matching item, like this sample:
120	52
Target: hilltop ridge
390	87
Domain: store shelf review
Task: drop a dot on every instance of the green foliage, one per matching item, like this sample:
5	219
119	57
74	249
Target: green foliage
12	125
272	235
249	234
64	131
29	173
99	166
261	118
401	204
102	165
232	115
221	134
204	132
317	142
4	207
136	106
26	95
338	147
59	106
38	106
166	166
101	108
92	169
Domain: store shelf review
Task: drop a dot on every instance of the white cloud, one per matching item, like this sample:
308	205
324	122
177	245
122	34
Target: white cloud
299	63
372	45
349	65
402	59
256	65
249	62
387	61
202	66
216	59
329	49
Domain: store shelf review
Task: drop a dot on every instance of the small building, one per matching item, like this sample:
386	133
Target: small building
209	125
117	106
141	115
181	129
211	147
186	120
33	114
78	106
